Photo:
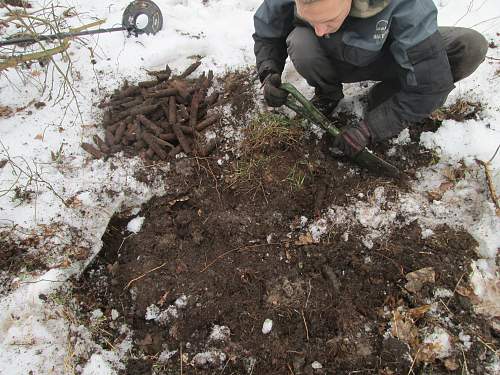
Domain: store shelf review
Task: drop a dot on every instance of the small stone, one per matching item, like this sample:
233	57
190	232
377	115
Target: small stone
114	314
316	365
267	326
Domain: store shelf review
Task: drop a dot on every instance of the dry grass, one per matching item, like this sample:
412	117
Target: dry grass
270	132
463	109
265	140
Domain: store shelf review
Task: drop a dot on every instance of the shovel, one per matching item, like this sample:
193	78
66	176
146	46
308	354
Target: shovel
367	159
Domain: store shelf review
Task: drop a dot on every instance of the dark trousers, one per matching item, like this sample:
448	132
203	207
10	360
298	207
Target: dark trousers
324	62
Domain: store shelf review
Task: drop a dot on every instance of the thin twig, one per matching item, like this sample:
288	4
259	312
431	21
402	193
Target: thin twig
241	248
305	324
143	275
413	361
489	180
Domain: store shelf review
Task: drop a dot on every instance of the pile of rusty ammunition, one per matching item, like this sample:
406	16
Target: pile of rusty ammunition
159	118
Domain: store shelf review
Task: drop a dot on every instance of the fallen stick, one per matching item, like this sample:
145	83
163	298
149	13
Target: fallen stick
162	93
92	150
132	103
190	69
193	111
182	139
172	110
212	98
109	138
207	122
143	275
489	180
147	84
100	143
150	140
130	91
176	150
208	148
187	129
140	110
160	141
168	137
119	133
161	75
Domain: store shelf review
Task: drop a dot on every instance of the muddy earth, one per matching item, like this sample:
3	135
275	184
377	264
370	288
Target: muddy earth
226	251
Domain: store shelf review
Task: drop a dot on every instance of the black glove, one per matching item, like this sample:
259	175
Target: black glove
353	139
274	96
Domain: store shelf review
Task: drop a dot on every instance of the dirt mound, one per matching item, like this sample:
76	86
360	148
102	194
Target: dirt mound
224	278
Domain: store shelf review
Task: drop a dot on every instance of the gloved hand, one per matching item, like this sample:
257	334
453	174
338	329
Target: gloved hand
353	138
274	96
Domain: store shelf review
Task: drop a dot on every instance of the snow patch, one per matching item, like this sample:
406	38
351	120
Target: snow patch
135	225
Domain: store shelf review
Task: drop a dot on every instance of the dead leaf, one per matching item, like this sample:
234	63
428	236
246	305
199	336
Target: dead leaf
404	329
64	264
467	292
113	268
434	195
5	111
163	298
437	195
305	239
39	136
451	364
419	312
3	163
417	279
81	253
428	353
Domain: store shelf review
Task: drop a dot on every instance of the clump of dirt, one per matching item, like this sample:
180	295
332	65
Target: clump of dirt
8	254
223	279
239	91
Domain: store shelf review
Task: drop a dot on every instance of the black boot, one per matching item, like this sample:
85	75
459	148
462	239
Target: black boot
326	102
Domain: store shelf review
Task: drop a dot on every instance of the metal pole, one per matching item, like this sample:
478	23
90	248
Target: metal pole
40	38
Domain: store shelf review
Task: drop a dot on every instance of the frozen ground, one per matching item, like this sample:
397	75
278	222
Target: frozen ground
72	198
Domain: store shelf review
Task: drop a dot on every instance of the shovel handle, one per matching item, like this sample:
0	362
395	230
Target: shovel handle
298	103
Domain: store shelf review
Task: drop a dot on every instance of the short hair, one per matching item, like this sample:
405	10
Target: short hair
305	2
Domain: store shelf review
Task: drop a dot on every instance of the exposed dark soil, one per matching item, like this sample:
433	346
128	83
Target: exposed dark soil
234	251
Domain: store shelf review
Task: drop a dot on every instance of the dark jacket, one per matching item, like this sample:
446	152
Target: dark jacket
408	28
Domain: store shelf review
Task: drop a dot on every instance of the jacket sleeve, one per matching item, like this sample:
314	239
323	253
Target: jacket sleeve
425	77
273	22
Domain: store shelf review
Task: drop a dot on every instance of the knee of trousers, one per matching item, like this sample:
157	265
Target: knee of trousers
472	47
304	50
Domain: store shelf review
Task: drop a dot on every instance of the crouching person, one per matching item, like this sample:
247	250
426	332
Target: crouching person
395	42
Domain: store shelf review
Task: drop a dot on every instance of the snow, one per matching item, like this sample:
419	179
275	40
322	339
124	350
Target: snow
152	312
219	333
440	342
31	140
135	225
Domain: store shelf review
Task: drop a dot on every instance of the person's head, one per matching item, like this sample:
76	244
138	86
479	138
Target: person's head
326	16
